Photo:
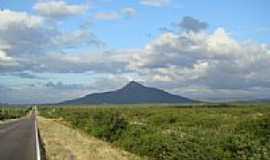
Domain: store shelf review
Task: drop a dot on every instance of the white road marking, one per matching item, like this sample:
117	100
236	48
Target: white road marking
37	140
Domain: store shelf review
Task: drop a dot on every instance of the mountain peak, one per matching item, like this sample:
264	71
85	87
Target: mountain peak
132	93
133	84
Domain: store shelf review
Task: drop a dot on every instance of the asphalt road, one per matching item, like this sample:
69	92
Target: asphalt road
17	140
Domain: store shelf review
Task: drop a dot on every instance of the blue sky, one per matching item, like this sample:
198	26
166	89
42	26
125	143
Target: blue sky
246	19
132	40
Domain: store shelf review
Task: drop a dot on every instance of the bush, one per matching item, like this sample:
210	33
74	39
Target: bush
13	113
108	125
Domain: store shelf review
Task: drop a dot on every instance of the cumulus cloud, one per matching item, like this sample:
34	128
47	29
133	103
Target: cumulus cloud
23	35
155	3
191	24
27	41
18	31
9	17
59	9
186	61
192	62
211	61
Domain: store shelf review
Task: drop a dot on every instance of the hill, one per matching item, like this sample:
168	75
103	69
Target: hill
132	93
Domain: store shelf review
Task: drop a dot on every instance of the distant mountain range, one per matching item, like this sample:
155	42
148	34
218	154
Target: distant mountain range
259	100
132	93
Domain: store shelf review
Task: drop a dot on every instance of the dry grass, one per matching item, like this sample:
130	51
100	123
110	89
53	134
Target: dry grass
64	143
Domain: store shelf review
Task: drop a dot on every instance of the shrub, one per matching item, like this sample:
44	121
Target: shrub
108	125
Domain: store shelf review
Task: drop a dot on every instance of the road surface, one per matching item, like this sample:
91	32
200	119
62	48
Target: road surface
18	139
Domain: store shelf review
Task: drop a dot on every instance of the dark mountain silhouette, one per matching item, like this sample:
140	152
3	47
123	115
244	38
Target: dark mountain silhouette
132	93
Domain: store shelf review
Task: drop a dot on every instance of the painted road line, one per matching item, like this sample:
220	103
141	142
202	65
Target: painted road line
37	139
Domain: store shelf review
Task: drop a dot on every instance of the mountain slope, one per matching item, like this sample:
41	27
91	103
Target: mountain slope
132	93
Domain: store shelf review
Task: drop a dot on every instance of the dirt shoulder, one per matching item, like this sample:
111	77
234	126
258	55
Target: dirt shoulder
62	142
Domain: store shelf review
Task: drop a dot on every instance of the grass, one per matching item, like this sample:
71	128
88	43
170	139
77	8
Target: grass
188	132
64	143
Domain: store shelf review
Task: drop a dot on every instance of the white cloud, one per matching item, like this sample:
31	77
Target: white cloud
189	60
107	16
4	57
59	9
5	60
26	39
206	62
19	32
116	15
192	63
221	42
128	12
18	18
155	3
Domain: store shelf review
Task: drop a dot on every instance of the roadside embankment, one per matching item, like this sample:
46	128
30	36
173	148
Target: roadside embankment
62	142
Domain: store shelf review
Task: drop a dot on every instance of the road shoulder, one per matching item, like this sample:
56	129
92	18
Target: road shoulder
63	142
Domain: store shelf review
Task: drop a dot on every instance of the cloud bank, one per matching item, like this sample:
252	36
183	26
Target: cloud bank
193	61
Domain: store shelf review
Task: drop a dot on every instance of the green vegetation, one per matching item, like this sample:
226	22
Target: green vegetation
12	112
170	133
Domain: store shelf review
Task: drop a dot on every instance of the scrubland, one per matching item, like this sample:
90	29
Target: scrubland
201	132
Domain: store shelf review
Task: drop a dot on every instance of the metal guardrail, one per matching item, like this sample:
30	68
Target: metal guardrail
36	135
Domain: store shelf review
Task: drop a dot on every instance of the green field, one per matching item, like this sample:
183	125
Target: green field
177	132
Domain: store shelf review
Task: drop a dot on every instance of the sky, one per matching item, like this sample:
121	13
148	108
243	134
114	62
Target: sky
55	50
